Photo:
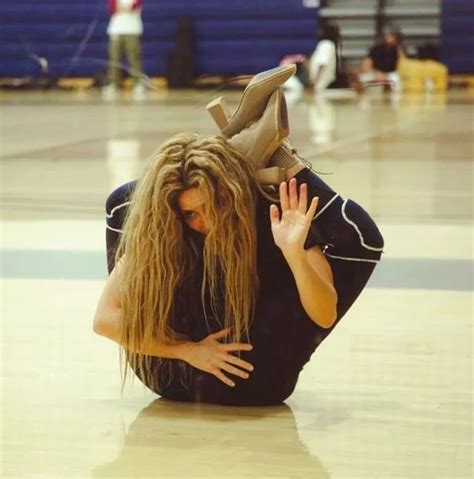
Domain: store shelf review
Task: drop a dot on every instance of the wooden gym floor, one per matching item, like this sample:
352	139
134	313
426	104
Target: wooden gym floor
388	395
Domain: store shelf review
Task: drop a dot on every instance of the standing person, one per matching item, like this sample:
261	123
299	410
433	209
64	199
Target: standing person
125	30
216	294
325	62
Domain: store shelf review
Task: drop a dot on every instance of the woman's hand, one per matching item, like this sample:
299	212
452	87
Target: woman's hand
213	357
290	232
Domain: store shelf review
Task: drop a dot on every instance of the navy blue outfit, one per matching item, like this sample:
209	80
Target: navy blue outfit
282	334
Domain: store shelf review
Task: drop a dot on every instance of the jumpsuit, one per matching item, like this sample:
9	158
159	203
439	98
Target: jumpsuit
282	335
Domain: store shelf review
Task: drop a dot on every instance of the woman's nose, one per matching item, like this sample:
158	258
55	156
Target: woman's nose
200	225
204	224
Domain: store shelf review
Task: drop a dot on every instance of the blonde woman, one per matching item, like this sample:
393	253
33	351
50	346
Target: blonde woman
221	288
217	293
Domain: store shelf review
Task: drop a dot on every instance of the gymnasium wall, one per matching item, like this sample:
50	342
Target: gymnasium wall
231	36
457	36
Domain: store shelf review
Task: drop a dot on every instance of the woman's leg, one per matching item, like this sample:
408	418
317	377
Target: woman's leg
352	242
115	52
116	210
134	56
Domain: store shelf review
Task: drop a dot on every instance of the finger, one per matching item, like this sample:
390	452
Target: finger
220	334
312	208
274	215
293	194
284	197
238	362
303	201
233	370
236	347
219	375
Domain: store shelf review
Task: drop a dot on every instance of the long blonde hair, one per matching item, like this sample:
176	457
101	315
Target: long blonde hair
159	253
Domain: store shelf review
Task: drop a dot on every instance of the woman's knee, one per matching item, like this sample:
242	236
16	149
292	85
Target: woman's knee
363	225
118	197
117	204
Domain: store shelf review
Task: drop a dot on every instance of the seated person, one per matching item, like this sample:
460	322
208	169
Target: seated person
380	66
323	69
324	64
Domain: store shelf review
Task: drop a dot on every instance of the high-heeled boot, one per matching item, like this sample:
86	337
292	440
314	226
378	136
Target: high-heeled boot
259	127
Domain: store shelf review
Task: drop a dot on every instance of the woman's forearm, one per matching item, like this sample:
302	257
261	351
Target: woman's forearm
317	293
109	326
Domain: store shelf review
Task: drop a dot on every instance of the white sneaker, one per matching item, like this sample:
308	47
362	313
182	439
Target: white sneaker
109	92
139	92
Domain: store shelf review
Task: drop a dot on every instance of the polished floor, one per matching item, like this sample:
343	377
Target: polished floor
387	396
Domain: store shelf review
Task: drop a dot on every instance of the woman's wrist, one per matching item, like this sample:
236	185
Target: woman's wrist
295	257
183	350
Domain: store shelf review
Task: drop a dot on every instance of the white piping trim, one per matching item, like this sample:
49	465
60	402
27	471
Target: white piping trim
324	209
116	208
362	242
353	259
113	229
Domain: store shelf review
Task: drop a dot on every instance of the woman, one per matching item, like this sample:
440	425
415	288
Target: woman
205	258
324	64
215	294
323	69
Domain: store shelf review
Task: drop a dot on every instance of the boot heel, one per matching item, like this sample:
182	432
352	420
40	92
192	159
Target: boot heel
219	111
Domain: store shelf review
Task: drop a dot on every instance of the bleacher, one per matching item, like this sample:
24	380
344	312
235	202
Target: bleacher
232	37
457	36
358	19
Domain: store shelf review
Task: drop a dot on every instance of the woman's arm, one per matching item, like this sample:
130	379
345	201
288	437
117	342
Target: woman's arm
311	270
108	318
315	285
209	355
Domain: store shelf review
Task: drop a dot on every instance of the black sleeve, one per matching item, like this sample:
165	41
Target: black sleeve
314	238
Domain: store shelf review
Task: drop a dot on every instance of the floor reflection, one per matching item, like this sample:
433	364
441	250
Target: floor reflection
322	121
189	440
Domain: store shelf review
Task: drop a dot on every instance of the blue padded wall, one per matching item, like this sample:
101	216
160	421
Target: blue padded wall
457	36
232	36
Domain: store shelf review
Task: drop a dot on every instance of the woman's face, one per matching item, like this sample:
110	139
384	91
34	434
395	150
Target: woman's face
191	204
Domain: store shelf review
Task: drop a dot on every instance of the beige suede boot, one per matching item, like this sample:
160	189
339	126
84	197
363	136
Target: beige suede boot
259	127
255	98
258	141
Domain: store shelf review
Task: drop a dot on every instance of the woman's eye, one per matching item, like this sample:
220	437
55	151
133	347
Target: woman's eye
188	215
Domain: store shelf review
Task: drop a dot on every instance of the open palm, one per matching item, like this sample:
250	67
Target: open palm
290	231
